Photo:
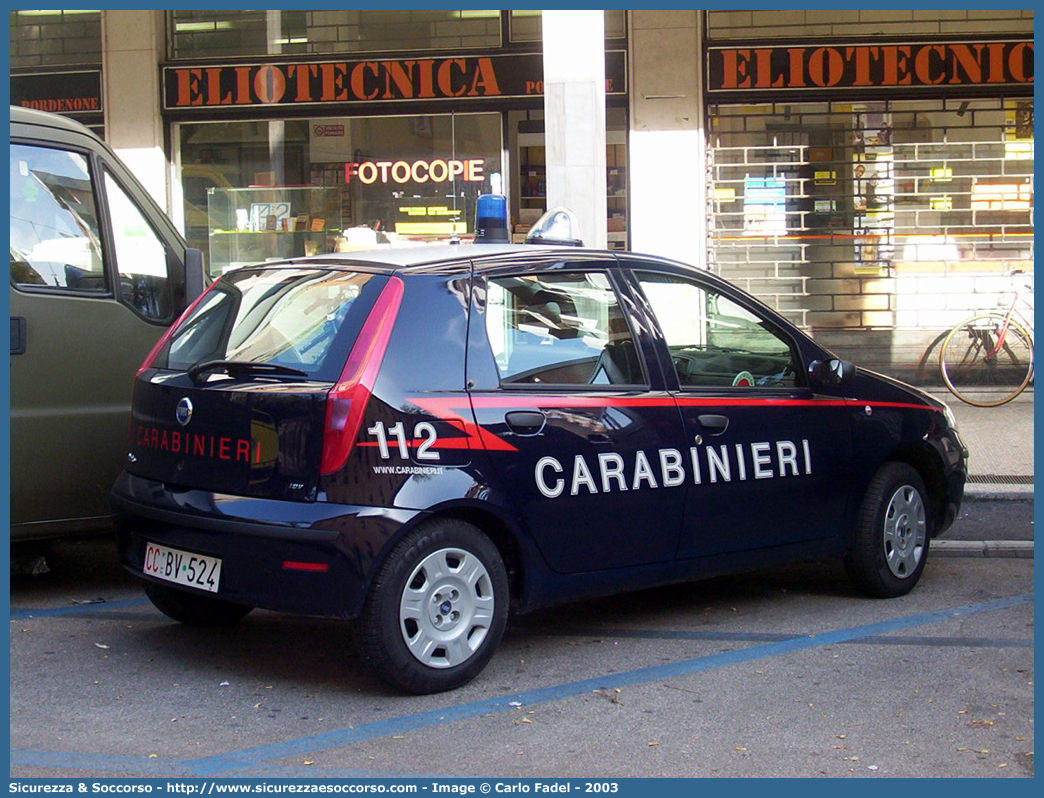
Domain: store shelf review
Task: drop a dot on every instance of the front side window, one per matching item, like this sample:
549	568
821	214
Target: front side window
55	240
141	257
715	342
560	329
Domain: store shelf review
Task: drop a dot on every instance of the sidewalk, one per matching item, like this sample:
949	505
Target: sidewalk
1000	446
1000	464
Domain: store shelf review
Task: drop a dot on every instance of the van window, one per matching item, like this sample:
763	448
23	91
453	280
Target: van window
55	240
141	257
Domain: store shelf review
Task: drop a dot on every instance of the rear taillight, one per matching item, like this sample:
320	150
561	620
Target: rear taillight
162	342
346	402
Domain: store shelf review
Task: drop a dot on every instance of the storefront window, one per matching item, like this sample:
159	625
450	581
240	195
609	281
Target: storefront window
528	147
210	34
273	189
526	25
55	38
875	214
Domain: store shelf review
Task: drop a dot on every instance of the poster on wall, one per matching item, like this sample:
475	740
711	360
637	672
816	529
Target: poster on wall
764	206
1018	130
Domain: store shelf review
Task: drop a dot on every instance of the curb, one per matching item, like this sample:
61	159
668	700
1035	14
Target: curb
1022	549
995	494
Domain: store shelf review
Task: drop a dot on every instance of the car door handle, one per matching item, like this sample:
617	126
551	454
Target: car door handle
525	422
18	336
713	423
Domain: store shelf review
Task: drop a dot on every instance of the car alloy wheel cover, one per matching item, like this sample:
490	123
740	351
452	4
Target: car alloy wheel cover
447	608
905	531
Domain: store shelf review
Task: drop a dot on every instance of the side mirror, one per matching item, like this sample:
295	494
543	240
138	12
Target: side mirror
831	372
195	279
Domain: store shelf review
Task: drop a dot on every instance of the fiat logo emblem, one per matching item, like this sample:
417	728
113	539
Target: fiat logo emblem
184	412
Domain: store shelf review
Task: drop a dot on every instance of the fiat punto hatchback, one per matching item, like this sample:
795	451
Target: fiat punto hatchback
422	440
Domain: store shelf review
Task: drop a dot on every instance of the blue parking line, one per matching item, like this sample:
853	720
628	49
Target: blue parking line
252	757
600	633
103	608
77	609
248	761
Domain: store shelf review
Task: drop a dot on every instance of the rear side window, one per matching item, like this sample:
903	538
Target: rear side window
560	329
55	238
304	319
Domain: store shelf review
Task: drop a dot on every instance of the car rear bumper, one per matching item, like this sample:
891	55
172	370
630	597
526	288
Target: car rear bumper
310	558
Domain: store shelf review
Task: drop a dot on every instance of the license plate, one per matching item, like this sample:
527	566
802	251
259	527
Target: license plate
182	567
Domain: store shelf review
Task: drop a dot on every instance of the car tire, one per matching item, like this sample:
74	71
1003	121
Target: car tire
192	609
436	610
892	537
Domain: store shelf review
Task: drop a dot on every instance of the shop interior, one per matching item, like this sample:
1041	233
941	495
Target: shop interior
269	189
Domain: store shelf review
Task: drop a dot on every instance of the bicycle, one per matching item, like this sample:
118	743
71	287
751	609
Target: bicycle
987	359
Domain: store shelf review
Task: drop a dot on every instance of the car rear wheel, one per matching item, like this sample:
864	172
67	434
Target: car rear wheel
436	610
891	542
192	609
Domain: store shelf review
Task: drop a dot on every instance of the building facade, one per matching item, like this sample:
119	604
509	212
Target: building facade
867	173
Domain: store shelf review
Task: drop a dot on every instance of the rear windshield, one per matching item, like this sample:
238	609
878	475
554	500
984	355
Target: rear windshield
305	319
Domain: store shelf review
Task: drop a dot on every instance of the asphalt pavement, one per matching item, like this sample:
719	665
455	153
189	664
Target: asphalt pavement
783	673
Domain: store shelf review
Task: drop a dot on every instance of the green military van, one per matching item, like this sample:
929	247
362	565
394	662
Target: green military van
97	274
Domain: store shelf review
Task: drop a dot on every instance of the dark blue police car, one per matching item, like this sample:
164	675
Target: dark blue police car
422	439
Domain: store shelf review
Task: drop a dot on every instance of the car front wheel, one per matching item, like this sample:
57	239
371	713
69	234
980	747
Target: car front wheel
436	610
891	542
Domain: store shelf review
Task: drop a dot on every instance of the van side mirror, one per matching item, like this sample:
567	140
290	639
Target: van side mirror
832	372
195	279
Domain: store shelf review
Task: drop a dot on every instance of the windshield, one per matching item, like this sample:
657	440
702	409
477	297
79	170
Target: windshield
300	318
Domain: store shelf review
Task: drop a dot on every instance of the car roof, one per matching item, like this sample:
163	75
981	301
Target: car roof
30	116
436	255
435	258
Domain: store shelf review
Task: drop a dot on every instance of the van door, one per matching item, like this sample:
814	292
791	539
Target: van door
91	292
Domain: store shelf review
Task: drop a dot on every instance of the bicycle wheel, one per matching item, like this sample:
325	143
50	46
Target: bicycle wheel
985	365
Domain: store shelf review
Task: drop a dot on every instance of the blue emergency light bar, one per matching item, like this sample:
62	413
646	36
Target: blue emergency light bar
491	219
558	227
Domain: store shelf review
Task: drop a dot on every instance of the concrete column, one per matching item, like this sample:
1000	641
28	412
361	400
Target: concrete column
276	128
132	47
667	153
574	118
